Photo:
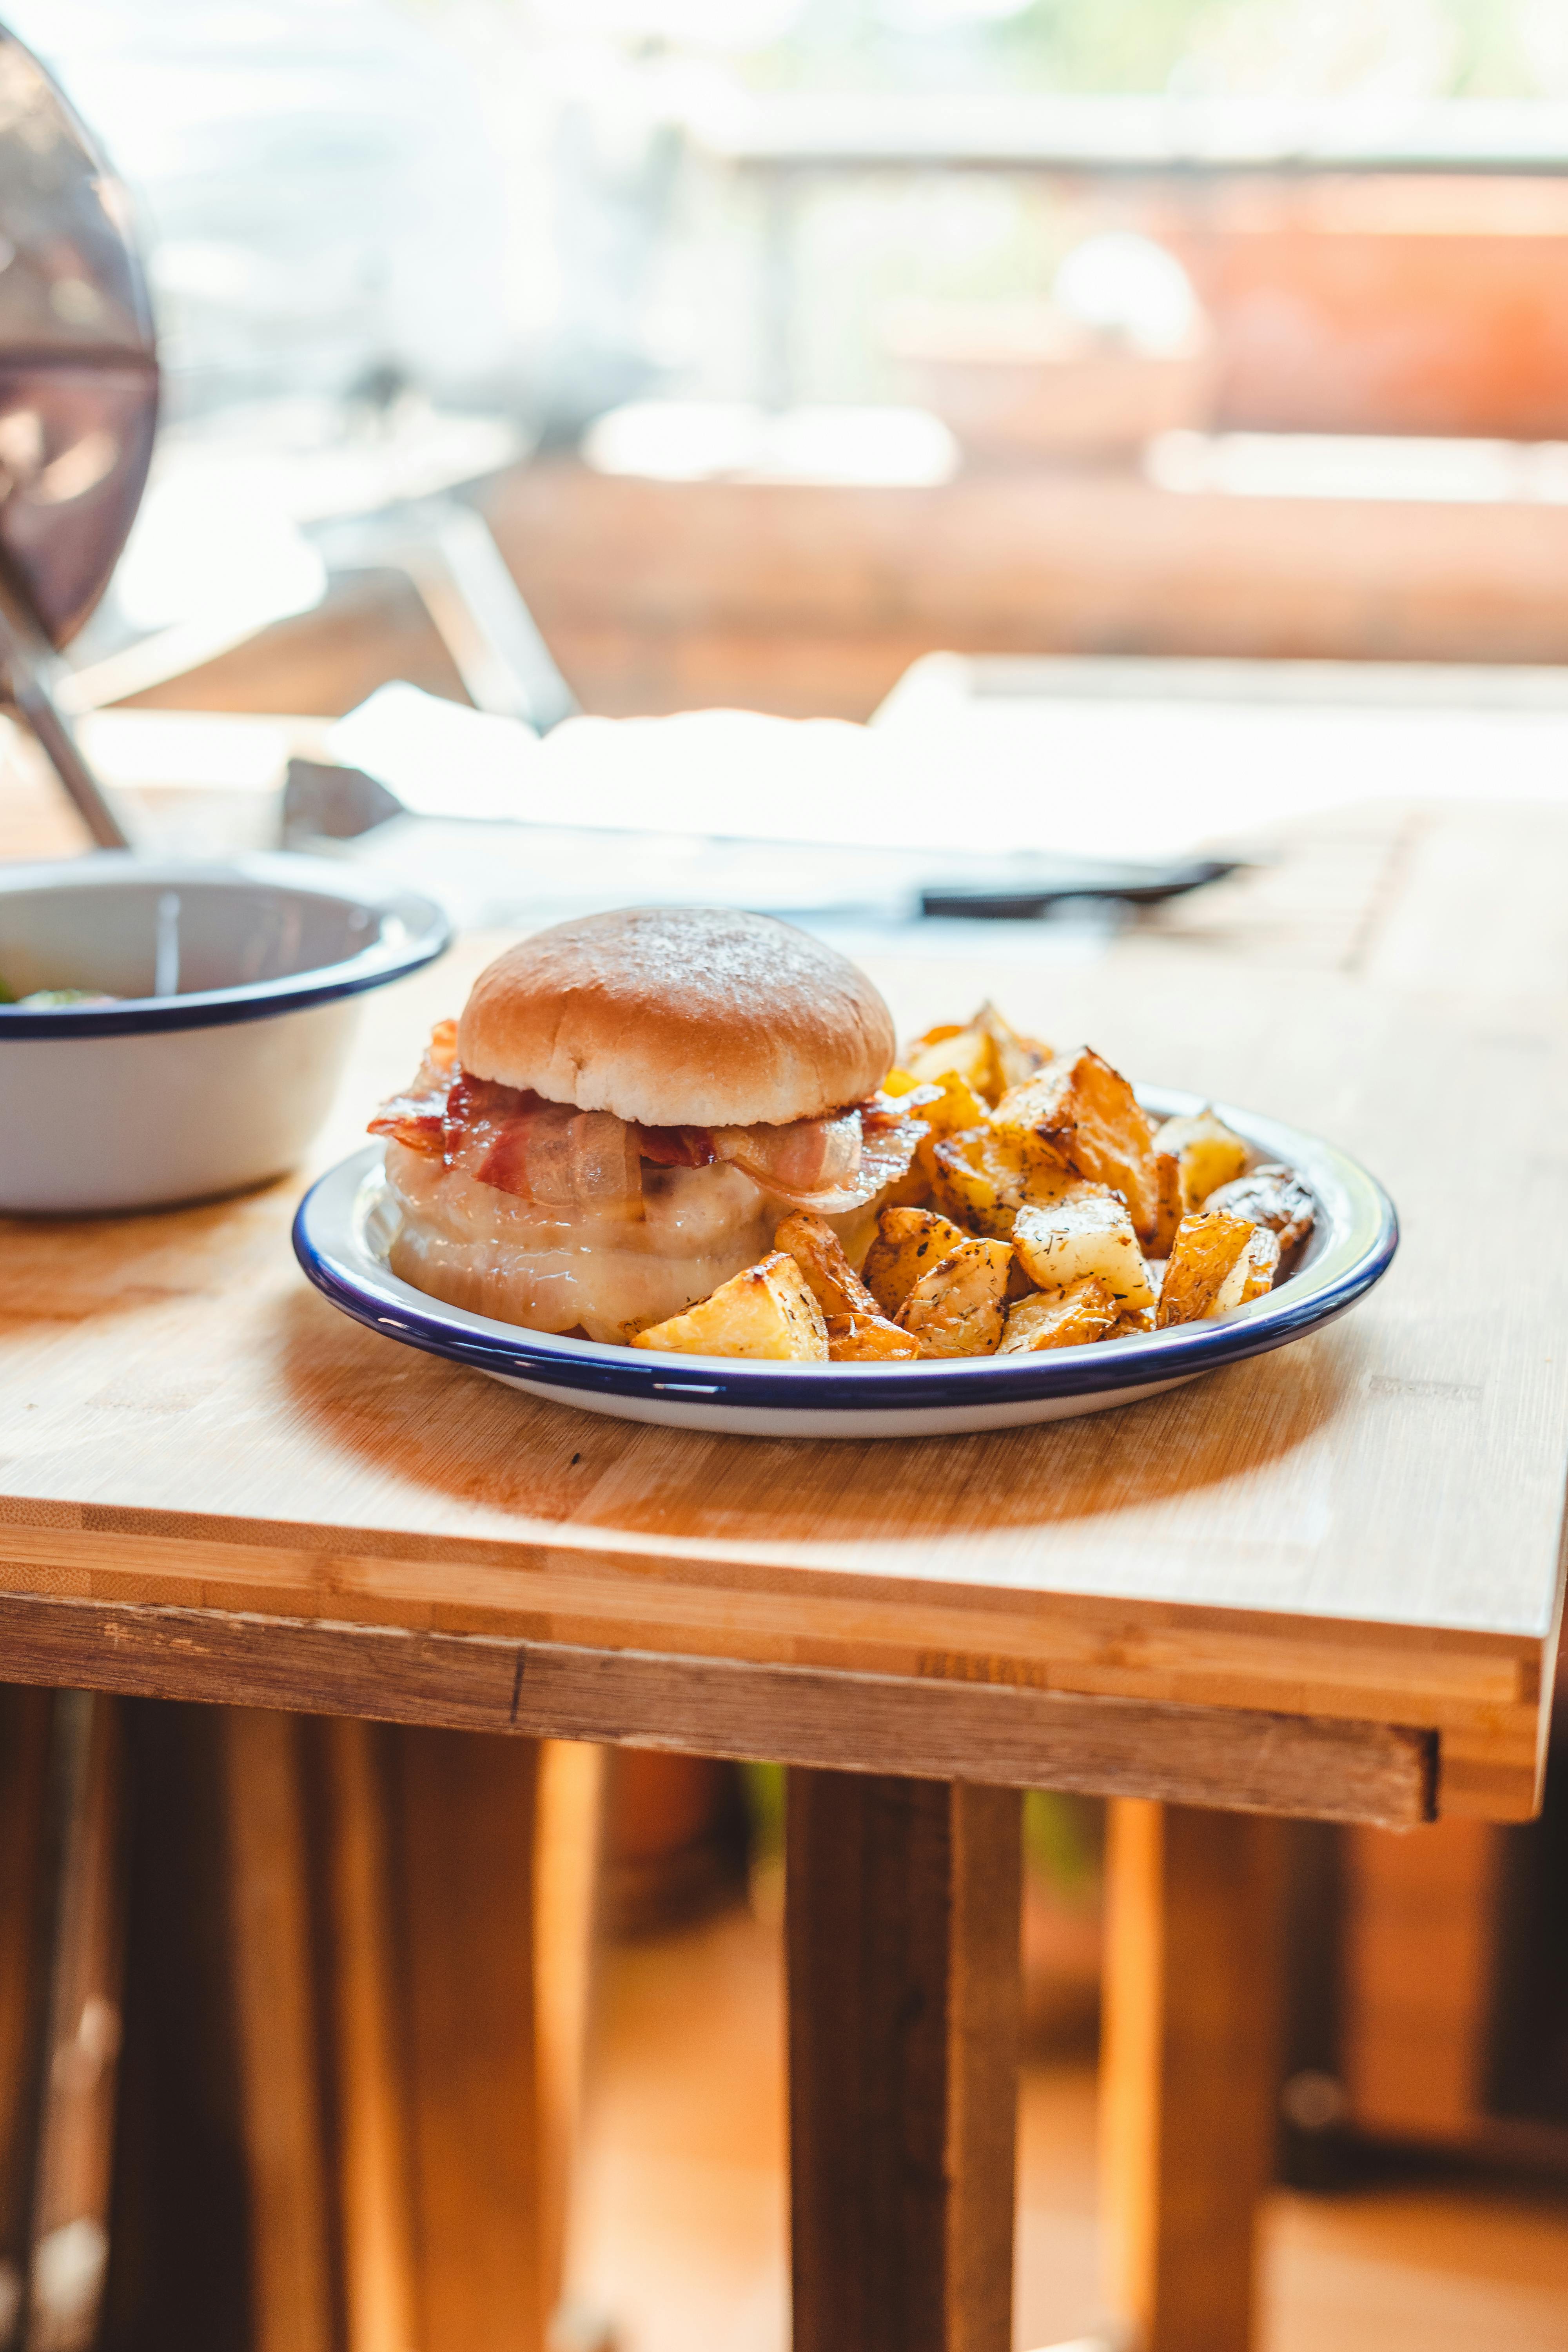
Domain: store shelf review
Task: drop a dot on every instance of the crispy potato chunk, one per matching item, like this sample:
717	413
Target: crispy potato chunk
908	1242
1060	1319
982	1177
967	1053
1017	1056
1090	1233
956	1310
960	1106
1131	1322
766	1310
961	1188
1210	1153
987	1053
1252	1275
1208	1245
1088	1114
1272	1196
818	1251
868	1339
1173	1204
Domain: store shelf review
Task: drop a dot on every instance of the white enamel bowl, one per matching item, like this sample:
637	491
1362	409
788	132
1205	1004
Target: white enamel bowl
345	1224
239	986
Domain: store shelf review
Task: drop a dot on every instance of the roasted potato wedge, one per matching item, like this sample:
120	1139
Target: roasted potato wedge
967	1053
1173	1204
960	1187
766	1310
955	1309
981	1176
1130	1322
831	1279
1089	1114
908	1244
1060	1319
1017	1056
1252	1275
960	1106
1208	1245
1272	1196
1088	1232
1210	1154
868	1339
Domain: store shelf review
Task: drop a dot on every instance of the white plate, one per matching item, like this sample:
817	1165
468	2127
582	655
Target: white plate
346	1221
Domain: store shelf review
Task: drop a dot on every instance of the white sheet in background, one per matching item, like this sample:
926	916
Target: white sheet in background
1142	775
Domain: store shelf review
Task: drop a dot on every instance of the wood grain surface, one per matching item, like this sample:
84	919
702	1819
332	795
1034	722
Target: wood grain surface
902	1933
1322	1766
1363	1530
1189	2088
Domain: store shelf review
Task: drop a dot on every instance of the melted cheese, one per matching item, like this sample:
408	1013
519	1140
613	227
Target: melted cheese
551	1270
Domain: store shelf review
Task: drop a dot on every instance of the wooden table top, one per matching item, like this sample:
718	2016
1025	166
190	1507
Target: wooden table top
1325	1582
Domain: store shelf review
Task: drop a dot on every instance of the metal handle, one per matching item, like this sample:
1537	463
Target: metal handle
28	662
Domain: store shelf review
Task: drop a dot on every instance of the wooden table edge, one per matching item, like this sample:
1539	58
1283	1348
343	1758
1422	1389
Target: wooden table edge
1319	1767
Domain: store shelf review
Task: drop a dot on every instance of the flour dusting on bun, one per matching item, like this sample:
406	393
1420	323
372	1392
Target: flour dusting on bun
678	1016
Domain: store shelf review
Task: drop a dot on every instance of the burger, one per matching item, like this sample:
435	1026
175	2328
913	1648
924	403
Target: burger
626	1111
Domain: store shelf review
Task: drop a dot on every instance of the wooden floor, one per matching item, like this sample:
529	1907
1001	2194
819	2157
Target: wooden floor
680	2230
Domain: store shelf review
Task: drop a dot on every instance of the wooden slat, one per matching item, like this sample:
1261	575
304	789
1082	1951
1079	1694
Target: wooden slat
76	2134
903	1930
466	1809
1483	1691
373	2121
1322	1766
1416	1977
408	1949
567	1845
25	1719
273	1967
1190	2070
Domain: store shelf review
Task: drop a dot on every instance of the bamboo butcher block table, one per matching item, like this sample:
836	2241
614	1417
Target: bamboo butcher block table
1322	1583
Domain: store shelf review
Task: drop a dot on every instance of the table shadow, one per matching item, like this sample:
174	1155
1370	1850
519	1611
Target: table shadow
417	1417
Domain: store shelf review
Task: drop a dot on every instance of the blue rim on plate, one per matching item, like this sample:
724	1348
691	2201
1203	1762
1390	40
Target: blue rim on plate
410	931
1351	1248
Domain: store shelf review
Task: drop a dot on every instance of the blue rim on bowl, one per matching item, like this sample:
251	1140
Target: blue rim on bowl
336	1242
409	930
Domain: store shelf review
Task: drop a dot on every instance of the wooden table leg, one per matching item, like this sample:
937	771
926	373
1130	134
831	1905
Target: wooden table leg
277	2031
902	1910
1189	2076
25	1719
410	1917
76	2112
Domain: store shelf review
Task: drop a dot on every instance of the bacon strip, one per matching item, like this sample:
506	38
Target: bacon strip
562	1156
550	1152
677	1147
417	1119
885	1159
807	1156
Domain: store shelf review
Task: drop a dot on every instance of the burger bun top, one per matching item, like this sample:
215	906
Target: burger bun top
680	1016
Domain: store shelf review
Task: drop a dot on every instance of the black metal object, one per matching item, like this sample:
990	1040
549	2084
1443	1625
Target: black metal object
78	398
1064	879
